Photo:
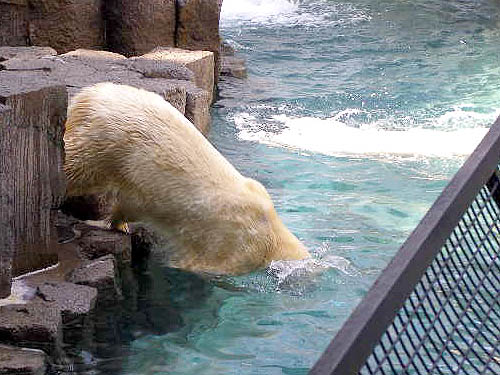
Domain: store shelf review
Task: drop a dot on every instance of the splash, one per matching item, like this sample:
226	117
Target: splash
455	133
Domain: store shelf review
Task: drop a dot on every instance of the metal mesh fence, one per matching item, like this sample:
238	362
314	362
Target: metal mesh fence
450	324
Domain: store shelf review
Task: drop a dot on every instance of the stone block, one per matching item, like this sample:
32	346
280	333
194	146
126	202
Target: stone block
74	301
66	25
143	239
198	109
101	274
198	27
14	22
97	242
150	68
21	361
201	63
31	154
6	216
134	27
25	53
37	324
232	66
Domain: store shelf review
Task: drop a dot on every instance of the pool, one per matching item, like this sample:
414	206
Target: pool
354	116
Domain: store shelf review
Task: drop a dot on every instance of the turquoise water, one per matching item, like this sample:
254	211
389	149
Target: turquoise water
354	116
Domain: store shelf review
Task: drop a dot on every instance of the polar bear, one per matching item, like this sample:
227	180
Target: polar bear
164	172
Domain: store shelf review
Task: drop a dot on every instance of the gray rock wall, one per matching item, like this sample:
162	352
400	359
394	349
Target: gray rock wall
134	27
13	22
128	27
198	27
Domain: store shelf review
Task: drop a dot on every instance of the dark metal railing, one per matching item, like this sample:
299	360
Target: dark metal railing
435	309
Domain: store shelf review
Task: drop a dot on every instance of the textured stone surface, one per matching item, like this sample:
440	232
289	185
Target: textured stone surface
32	182
66	24
14	22
20	361
36	324
143	240
233	66
6	216
96	242
150	68
177	75
73	300
201	63
136	26
25	53
198	108
198	27
101	274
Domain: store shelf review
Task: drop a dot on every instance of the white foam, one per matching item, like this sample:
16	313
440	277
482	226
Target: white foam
291	271
256	10
290	13
455	133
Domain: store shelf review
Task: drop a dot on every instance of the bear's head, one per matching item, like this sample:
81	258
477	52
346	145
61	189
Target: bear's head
279	242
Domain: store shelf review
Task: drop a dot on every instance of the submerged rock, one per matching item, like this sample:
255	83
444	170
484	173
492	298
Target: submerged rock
102	274
231	65
21	361
35	324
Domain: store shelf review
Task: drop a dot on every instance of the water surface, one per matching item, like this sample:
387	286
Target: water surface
355	114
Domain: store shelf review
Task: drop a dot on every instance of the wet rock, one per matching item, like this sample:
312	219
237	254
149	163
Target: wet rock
198	27
101	274
144	239
136	26
21	361
74	301
233	66
37	324
66	25
96	242
226	49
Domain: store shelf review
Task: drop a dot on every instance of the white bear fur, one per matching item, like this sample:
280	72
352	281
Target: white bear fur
164	172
